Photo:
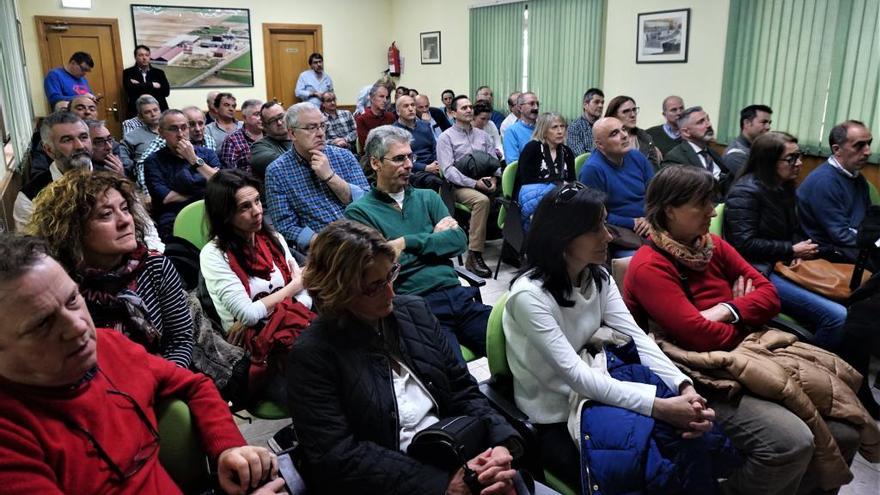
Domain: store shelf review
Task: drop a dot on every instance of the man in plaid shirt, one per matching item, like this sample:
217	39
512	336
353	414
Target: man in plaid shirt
235	152
341	129
309	186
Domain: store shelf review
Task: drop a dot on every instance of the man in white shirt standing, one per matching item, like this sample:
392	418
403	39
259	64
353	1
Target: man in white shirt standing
314	82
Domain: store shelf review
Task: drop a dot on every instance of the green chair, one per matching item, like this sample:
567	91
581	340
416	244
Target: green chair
509	216
579	162
873	193
191	224
717	221
269	410
180	450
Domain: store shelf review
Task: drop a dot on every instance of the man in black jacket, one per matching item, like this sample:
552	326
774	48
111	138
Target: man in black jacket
144	79
696	133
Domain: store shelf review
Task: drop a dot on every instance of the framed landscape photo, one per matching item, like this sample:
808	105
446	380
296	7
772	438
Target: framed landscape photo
662	37
430	47
197	47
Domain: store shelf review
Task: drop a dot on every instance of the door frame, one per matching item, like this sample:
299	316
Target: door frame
276	28
44	20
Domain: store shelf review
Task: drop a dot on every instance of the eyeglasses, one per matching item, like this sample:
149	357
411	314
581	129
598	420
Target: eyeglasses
102	141
792	159
401	159
568	191
376	287
85	68
177	128
314	128
633	110
275	120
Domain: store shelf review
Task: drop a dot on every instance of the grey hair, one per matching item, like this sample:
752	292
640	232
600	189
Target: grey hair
291	116
685	116
248	104
144	100
209	98
53	119
95	124
168	113
522	97
192	108
839	132
376	87
381	138
666	100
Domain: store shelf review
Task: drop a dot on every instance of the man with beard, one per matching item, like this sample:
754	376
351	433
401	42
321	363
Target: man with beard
66	139
520	133
418	226
276	139
309	186
84	107
696	134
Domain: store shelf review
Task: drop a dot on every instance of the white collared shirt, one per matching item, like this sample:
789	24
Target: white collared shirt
716	169
836	164
416	409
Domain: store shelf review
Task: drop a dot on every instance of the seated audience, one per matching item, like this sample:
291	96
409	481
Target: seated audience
84	106
63	83
363	98
513	113
224	122
482	114
545	162
375	115
211	111
413	92
310	185
520	133
425	237
249	272
341	128
666	135
833	199
562	301
276	139
697	133
704	297
446	97
196	123
235	152
65	138
754	120
96	228
760	222
105	150
485	94
624	109
176	175
136	141
622	173
580	132
77	406
431	115
456	143
372	371
426	170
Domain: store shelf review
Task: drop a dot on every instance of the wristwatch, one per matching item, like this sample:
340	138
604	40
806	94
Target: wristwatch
199	162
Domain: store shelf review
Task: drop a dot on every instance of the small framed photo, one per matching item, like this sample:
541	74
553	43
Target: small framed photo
430	47
662	37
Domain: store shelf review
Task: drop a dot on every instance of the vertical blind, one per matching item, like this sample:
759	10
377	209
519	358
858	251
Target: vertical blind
496	49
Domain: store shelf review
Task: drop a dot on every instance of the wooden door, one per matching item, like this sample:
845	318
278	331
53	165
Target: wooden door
60	37
287	48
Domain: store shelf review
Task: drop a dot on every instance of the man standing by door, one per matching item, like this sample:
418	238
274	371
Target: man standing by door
144	79
63	83
314	82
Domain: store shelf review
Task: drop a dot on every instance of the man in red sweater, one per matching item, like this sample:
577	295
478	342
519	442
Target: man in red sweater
374	115
76	403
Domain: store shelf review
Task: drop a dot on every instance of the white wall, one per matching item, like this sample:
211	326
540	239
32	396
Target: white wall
354	54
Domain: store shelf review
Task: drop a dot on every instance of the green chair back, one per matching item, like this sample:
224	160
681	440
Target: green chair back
180	450
496	344
873	193
191	224
266	409
579	162
467	354
717	220
508	180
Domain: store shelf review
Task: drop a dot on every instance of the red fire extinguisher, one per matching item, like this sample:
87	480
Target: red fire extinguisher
393	60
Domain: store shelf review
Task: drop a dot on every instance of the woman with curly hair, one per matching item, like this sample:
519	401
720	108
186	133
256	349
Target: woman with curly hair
95	228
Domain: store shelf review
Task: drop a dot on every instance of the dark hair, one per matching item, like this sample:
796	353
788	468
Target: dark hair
615	104
482	107
404	89
219	98
220	209
455	101
141	47
588	96
314	56
56	118
838	133
447	91
555	224
686	115
677	185
82	58
18	254
750	112
765	152
413	90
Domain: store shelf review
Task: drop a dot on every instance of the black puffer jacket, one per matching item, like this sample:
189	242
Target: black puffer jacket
344	410
760	222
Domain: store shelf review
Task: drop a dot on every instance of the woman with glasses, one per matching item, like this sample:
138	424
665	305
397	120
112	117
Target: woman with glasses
544	163
760	222
95	228
624	109
248	270
372	371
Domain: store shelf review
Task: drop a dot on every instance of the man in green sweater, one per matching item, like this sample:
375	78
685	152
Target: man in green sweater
418	226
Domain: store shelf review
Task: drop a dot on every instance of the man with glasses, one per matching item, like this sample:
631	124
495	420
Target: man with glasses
419	227
580	132
666	135
309	186
697	133
105	150
63	83
313	82
276	139
520	133
177	174
77	403
754	120
341	129
833	200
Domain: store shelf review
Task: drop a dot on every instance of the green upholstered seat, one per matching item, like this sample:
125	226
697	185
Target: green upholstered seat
579	162
191	224
180	450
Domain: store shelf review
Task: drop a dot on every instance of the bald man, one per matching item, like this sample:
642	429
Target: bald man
431	115
621	172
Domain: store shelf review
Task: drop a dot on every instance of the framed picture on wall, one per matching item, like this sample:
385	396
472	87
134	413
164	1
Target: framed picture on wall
197	47
662	37
430	47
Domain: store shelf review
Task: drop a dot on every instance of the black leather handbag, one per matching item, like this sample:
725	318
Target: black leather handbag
449	443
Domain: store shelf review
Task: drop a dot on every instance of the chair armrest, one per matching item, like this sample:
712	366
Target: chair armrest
472	278
531	460
791	326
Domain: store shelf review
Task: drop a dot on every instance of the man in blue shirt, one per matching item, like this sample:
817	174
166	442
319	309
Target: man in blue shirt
484	93
314	82
309	186
63	83
520	133
426	170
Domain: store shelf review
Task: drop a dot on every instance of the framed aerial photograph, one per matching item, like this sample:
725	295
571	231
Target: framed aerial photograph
662	37
430	47
197	47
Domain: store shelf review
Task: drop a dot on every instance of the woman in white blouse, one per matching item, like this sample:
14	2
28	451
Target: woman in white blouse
556	307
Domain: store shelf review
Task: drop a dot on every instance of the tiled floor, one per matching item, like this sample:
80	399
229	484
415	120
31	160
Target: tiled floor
867	475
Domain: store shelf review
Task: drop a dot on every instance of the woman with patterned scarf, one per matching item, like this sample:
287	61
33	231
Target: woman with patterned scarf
95	227
250	275
703	296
